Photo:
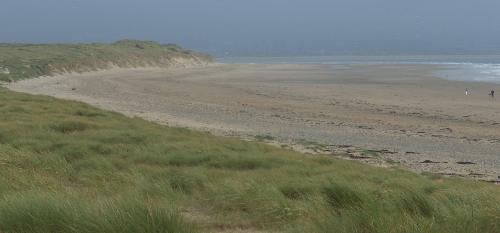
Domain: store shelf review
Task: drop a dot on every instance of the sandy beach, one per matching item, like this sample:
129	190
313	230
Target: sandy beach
381	114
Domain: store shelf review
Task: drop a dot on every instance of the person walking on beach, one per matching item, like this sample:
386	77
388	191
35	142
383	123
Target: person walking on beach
466	91
492	93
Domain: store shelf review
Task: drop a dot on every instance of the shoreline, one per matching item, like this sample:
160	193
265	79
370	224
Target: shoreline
399	114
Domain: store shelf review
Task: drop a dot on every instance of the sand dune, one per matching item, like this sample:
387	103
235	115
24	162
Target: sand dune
383	114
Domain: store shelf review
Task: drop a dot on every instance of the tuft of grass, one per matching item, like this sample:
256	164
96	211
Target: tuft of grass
242	163
184	183
47	213
188	160
342	196
86	113
416	203
297	191
69	126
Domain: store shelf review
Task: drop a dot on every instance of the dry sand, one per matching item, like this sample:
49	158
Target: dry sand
400	112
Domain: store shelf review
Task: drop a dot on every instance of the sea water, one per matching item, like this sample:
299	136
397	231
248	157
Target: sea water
472	68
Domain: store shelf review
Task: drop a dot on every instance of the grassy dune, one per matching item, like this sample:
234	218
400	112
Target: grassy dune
21	61
69	167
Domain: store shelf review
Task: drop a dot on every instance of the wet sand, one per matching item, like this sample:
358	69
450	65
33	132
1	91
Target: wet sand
381	114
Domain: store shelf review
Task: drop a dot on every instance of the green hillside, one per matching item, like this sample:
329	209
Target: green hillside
69	167
21	61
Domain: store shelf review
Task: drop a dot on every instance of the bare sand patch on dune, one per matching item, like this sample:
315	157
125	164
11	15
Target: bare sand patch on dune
375	113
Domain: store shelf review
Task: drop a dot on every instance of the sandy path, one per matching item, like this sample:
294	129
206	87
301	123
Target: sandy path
401	111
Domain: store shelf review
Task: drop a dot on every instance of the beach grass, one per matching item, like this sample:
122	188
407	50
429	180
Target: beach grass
68	167
22	61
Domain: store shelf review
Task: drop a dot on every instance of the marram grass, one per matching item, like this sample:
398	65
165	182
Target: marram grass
22	61
69	167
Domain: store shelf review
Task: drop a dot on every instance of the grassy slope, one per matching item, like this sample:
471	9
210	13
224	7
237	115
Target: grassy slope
69	167
20	61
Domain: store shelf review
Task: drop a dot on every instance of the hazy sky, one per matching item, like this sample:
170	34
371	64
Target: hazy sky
263	27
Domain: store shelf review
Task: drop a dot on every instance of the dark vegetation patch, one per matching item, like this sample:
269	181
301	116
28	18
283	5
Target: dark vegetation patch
243	163
264	137
188	160
87	113
342	196
69	126
297	191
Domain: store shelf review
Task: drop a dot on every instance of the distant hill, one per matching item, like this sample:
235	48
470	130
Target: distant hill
22	61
